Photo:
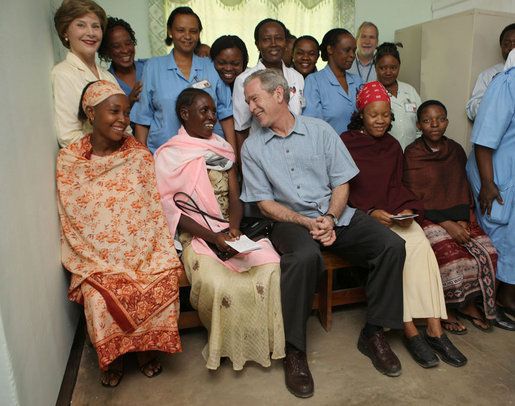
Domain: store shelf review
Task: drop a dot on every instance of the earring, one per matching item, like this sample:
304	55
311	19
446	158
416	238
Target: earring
66	39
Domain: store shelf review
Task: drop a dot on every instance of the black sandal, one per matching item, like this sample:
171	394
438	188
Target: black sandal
446	324
475	321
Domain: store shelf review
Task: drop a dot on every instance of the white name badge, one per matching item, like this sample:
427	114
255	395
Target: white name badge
201	85
410	107
302	99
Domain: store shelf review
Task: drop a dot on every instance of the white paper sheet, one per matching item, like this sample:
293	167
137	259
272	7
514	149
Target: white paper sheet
244	244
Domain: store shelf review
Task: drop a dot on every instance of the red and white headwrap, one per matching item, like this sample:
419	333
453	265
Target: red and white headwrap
98	91
371	92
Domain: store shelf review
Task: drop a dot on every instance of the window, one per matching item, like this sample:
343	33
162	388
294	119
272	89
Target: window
239	17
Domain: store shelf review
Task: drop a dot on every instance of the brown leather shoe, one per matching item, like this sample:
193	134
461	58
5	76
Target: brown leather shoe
378	350
297	375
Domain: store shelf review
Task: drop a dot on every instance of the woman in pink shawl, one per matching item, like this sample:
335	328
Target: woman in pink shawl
238	300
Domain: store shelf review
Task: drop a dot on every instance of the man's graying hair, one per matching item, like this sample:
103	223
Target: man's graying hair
270	79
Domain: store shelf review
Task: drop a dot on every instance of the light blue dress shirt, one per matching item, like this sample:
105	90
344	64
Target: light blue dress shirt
494	128
366	72
298	171
162	82
326	99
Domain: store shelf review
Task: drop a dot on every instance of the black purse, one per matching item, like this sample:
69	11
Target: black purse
254	228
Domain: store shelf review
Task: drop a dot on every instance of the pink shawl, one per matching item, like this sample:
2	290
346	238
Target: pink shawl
180	167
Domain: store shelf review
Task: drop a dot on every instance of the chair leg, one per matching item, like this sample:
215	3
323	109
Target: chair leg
326	300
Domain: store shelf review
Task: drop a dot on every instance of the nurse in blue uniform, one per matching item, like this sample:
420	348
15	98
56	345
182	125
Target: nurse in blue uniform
119	47
491	172
166	76
331	92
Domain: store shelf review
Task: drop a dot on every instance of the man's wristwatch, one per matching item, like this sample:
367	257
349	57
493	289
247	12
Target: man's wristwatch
331	215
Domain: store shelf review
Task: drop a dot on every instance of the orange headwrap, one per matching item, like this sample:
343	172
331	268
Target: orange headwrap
98	91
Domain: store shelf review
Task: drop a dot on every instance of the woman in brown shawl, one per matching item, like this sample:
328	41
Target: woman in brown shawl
378	191
434	171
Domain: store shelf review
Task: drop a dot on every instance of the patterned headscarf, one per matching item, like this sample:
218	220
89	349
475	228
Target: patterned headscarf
98	91
371	92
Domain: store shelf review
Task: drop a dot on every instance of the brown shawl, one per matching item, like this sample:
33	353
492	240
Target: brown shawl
438	179
378	184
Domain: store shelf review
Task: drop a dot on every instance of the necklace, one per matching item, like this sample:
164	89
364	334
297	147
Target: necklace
390	93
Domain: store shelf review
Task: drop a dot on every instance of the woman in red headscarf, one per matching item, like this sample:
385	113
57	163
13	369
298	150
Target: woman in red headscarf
378	190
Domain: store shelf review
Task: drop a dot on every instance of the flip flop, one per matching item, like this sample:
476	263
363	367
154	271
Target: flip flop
114	373
446	324
148	363
475	320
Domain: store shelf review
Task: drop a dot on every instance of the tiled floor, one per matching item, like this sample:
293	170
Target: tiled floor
343	376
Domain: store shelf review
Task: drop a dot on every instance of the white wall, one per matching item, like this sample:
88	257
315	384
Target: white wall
443	8
390	15
38	320
7	385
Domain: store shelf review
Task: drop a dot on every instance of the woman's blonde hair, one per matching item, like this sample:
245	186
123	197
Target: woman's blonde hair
72	9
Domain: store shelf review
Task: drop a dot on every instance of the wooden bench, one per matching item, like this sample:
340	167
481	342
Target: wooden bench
324	301
326	297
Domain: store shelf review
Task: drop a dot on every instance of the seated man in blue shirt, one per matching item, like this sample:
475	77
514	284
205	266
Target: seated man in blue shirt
297	170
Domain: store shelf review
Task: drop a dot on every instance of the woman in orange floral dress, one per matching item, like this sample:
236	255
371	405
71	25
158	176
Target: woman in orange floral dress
115	239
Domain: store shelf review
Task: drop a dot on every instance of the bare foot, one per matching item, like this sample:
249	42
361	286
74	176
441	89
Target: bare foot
149	364
113	375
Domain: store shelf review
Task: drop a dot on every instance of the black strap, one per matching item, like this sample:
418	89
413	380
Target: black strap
359	70
192	207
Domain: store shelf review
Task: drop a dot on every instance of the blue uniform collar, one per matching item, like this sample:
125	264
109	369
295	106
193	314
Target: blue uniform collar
138	64
195	66
334	82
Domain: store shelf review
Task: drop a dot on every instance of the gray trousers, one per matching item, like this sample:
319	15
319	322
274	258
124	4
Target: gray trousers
364	242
